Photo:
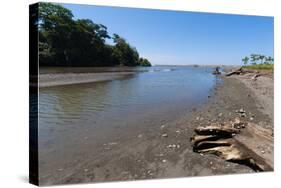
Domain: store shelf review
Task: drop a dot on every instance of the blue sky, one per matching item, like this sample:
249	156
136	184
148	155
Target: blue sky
182	38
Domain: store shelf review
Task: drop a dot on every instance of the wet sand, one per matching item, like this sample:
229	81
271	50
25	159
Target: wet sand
165	151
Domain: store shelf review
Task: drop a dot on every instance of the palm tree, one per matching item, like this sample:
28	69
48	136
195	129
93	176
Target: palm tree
261	57
245	60
254	58
270	60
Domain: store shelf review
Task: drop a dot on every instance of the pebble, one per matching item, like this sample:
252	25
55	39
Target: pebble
164	160
112	143
263	152
86	170
140	136
164	135
178	131
220	114
251	118
162	126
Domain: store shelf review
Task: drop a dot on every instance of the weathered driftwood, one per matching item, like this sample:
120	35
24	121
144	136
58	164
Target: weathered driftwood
223	130
255	76
218	139
241	71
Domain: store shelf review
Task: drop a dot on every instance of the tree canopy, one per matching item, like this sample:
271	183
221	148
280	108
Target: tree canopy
64	41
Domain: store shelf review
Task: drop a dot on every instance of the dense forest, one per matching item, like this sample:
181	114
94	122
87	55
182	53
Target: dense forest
65	41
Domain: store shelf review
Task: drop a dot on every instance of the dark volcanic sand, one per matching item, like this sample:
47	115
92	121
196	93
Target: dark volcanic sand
145	154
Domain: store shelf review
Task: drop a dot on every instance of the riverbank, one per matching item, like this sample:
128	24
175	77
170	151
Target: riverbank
56	79
166	151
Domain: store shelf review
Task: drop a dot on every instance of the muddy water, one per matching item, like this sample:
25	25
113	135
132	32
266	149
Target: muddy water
74	120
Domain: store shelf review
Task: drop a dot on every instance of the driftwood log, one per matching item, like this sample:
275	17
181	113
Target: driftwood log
240	71
229	142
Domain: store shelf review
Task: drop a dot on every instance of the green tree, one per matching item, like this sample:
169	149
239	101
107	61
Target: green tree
124	53
245	60
64	41
262	57
144	62
254	58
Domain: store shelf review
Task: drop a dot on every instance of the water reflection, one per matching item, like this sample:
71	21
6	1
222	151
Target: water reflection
145	99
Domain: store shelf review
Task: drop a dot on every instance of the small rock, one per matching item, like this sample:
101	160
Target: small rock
242	110
263	152
112	143
220	114
251	118
86	170
60	169
164	160
164	135
178	131
162	126
197	118
140	136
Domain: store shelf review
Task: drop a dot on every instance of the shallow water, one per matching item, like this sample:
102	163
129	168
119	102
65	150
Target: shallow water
99	111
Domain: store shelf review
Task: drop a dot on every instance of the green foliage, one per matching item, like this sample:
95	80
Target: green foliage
144	62
245	60
265	62
64	41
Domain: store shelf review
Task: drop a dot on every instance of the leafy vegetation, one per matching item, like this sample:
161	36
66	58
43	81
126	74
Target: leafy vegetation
64	41
258	61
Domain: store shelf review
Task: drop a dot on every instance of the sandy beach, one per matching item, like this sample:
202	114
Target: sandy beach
166	151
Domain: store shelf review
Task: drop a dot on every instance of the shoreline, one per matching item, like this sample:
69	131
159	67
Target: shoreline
166	151
57	79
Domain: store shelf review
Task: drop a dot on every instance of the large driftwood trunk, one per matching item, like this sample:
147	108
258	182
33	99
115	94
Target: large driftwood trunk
236	142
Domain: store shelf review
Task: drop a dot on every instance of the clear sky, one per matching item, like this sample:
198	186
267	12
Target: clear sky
182	38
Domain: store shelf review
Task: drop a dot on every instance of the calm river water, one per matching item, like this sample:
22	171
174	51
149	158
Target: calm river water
99	110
